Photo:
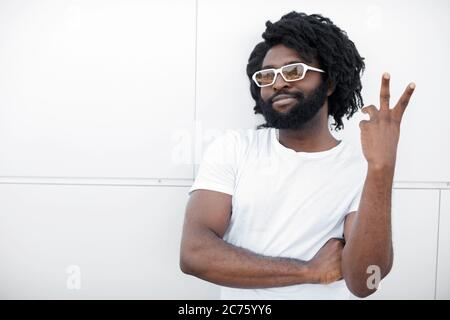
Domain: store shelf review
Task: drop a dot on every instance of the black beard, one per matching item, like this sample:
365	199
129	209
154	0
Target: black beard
300	113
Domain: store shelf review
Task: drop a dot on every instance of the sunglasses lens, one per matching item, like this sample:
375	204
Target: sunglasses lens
293	72
290	73
264	77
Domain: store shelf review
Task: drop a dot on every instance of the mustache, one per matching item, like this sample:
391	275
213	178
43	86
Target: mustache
297	95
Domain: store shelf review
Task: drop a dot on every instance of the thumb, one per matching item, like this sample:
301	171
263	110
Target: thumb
363	123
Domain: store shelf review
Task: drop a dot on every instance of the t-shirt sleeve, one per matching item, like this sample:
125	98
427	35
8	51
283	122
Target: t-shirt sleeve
218	166
354	205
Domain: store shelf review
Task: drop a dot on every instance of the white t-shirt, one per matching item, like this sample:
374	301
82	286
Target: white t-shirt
285	203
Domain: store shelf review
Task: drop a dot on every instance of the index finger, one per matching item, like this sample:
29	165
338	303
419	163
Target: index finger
402	103
385	92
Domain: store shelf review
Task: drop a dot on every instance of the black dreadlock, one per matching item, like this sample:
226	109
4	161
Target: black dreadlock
314	36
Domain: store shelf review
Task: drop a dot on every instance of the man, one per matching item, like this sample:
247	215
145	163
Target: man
293	213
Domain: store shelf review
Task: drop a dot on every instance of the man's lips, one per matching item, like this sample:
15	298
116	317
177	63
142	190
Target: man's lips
282	96
283	101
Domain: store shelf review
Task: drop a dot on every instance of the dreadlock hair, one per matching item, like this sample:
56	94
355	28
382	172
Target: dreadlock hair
314	36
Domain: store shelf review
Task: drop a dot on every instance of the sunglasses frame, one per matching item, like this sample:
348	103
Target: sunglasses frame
279	71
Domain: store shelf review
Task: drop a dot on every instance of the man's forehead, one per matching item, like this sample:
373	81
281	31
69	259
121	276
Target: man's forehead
279	56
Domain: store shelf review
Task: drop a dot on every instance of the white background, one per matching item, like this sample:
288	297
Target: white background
106	106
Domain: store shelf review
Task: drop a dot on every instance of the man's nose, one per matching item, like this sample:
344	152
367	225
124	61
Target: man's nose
279	82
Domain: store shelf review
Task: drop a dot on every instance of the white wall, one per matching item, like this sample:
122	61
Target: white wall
106	106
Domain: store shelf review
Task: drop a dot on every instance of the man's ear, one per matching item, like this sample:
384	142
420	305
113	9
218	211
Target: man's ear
331	87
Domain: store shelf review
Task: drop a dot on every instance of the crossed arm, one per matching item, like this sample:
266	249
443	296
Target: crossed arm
367	242
205	255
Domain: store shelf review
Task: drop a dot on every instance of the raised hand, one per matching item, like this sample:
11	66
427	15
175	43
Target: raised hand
380	134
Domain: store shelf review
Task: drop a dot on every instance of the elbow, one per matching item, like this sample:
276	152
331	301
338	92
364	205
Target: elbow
364	284
363	278
190	263
358	284
359	290
363	294
186	263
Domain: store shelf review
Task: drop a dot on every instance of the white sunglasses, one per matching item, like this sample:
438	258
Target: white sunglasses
290	72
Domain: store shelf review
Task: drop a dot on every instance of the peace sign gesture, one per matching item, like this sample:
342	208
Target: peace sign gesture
380	134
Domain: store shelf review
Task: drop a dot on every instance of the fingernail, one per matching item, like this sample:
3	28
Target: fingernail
412	85
386	75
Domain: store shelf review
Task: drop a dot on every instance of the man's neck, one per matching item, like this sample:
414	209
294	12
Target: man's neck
313	137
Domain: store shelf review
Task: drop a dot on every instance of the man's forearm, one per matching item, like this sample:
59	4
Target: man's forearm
370	240
217	261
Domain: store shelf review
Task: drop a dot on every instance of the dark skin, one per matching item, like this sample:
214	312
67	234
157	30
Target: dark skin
367	234
206	255
315	136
